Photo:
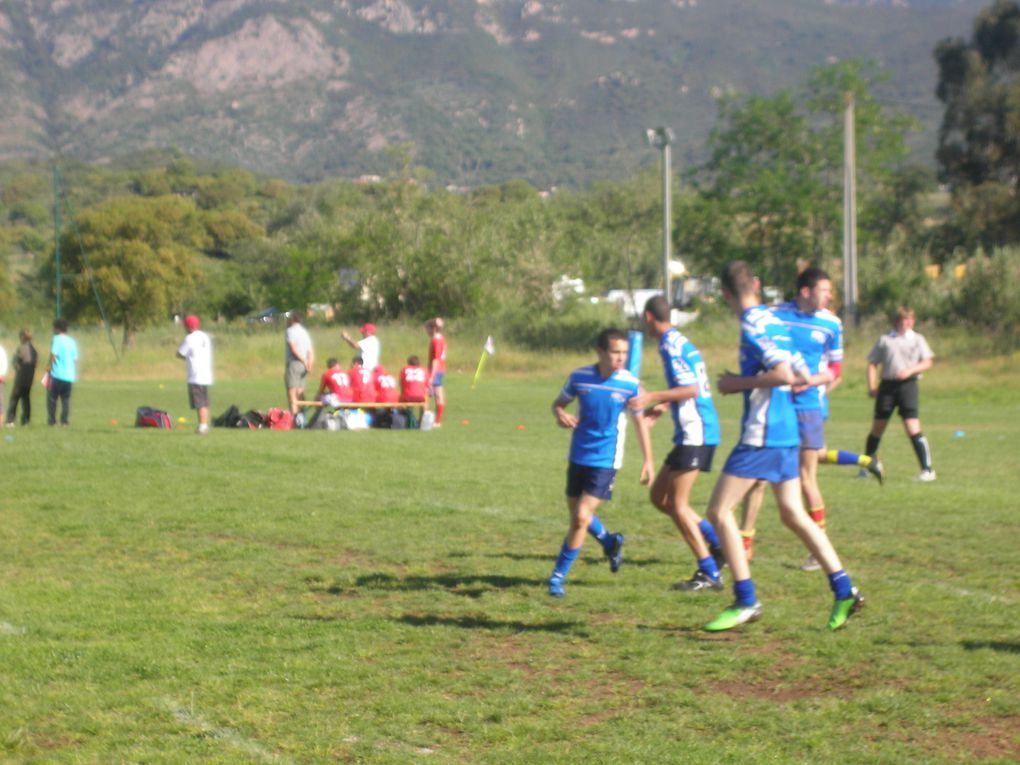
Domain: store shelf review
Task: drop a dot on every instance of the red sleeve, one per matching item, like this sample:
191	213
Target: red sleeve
836	367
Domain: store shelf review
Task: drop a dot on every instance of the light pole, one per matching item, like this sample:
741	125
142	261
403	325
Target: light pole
661	138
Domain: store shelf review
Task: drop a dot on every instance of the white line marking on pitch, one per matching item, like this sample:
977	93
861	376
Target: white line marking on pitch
6	628
229	736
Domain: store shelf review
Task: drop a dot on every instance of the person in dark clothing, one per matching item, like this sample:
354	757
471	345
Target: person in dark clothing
25	359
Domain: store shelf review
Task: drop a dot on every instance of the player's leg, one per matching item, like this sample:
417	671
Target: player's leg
909	408
440	397
812	497
678	485
868	465
791	511
729	491
582	509
749	516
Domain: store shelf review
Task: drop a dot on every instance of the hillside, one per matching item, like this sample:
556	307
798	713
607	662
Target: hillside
555	91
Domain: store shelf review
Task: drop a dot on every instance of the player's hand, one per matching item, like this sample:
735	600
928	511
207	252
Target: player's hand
565	419
872	392
799	388
640	401
904	374
647	473
345	336
727	383
653	413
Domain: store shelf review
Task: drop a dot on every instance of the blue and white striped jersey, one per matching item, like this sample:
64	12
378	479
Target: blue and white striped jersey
769	417
818	338
597	441
695	422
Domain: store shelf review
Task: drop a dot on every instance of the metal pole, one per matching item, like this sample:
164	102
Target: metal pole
849	214
56	237
667	210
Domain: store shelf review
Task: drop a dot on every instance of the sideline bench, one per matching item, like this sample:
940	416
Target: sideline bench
373	405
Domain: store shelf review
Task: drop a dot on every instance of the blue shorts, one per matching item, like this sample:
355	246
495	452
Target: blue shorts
774	464
593	481
437	379
811	426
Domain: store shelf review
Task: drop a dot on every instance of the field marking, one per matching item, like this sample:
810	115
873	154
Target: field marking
229	736
973	594
6	628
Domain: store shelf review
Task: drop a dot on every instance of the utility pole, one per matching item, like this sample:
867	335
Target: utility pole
56	236
661	138
849	214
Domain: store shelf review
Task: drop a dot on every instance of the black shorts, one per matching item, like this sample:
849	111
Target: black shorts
684	458
897	394
594	481
198	395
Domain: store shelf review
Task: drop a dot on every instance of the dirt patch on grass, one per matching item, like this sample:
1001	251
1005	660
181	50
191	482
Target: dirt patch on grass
986	738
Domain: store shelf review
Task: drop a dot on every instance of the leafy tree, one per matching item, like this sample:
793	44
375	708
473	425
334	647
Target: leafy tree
979	140
139	252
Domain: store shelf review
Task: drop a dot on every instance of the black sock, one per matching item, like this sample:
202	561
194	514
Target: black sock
922	450
871	448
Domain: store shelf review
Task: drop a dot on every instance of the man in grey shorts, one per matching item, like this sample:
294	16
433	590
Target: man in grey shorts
903	355
299	356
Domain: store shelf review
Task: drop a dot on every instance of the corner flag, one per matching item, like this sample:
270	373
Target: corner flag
489	349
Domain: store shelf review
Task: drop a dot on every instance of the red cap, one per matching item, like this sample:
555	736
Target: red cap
368	329
191	322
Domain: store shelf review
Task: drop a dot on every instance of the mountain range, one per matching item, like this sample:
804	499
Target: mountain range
552	91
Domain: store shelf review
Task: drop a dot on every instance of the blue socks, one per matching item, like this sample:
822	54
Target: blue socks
840	584
597	530
744	594
709	568
565	560
708	532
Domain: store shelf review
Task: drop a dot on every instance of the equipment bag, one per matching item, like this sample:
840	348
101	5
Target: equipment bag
279	419
147	417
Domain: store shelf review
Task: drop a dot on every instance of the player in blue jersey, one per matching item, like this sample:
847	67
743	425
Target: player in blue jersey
817	335
767	450
603	392
688	398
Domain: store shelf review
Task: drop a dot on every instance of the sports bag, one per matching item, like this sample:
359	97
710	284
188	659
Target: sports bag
147	417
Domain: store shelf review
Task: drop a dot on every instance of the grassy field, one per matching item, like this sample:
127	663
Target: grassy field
379	597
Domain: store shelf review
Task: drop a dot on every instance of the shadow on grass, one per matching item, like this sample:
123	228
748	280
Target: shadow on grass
995	645
470	586
483	623
550	558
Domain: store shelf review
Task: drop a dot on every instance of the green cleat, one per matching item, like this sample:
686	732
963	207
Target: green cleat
734	616
845	608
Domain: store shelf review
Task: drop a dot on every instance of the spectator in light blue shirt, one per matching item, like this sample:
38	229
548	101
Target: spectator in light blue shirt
63	372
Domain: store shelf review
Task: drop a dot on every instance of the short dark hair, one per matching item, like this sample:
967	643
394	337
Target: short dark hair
608	335
60	325
658	307
810	277
737	278
413	360
332	361
358	359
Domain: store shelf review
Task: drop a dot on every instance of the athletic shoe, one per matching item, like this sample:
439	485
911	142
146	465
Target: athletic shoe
877	469
734	616
718	556
556	587
700	581
615	552
811	564
845	608
926	476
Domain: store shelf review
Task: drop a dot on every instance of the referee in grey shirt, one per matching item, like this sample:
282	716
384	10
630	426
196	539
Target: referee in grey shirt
903	355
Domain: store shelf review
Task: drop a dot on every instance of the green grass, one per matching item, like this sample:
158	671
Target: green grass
379	597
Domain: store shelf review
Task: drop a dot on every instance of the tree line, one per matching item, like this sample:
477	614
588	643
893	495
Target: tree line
161	233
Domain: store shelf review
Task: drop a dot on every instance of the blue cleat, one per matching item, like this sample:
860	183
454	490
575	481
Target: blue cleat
556	587
615	552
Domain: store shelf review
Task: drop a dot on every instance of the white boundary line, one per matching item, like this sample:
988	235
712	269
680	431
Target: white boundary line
189	718
6	628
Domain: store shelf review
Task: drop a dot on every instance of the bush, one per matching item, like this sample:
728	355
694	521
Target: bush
988	299
573	328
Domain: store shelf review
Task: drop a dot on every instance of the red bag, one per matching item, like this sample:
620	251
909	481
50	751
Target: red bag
279	419
146	417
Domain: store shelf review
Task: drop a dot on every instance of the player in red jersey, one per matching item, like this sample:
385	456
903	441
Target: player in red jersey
414	386
386	391
335	386
362	382
437	365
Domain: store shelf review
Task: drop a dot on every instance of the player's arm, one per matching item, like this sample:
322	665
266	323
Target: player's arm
776	376
642	427
649	398
559	409
922	366
872	379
